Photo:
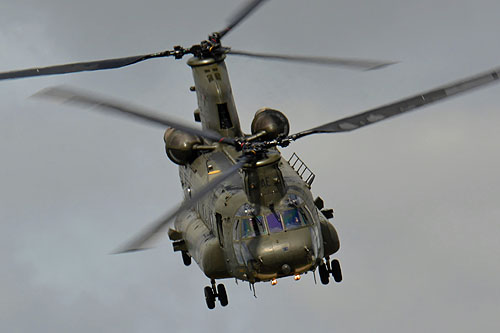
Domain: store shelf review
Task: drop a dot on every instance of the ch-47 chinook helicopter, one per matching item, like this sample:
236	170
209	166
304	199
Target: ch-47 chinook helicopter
247	212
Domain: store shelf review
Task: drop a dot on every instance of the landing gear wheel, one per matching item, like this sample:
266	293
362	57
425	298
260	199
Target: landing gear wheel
209	297
222	295
324	275
336	270
186	258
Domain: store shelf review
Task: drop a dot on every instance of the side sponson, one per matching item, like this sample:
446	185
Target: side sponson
331	242
202	245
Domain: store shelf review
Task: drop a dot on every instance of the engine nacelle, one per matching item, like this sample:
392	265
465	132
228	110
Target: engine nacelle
179	146
271	121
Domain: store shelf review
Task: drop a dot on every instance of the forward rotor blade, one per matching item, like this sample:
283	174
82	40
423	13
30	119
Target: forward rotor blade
144	239
81	66
405	105
343	62
249	7
70	96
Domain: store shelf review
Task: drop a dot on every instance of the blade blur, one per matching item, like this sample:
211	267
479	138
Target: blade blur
360	64
144	239
80	66
68	95
408	104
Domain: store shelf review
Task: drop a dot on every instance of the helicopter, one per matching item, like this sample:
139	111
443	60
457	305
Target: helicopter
247	212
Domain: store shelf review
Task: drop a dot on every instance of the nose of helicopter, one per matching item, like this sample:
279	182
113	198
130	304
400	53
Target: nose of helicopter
283	254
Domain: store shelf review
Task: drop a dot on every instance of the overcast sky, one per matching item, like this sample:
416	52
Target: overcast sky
416	197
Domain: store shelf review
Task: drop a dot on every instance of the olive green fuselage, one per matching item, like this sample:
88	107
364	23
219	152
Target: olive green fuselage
262	222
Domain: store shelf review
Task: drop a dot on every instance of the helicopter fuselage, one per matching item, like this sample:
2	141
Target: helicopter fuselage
261	223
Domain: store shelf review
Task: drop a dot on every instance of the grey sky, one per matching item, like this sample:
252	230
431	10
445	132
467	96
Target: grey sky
416	197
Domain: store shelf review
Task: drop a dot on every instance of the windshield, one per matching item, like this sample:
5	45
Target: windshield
253	226
288	218
274	222
292	219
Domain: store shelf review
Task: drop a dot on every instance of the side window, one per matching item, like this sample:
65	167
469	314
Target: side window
236	230
247	229
220	231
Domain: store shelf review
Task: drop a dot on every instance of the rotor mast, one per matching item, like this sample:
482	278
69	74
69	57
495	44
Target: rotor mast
215	97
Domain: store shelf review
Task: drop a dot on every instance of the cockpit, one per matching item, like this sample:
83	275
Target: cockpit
277	240
290	214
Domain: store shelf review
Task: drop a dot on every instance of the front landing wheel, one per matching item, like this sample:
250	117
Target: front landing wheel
222	295
324	275
209	297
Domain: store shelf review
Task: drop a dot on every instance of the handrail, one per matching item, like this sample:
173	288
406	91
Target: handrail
302	170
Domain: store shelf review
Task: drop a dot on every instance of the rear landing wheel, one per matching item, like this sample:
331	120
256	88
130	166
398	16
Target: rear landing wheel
324	275
186	258
209	297
336	270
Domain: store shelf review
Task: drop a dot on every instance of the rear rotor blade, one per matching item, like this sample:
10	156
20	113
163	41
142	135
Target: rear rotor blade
70	96
343	62
144	239
405	105
81	66
249	7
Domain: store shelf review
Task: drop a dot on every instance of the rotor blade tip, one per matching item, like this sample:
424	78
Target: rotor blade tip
380	66
56	92
128	250
41	93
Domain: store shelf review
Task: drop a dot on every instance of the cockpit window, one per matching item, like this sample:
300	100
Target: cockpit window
292	219
295	200
290	214
274	223
305	216
252	227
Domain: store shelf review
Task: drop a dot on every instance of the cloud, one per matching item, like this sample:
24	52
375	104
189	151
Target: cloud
416	197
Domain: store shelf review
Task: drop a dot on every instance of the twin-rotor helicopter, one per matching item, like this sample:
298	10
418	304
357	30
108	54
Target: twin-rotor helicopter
247	212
